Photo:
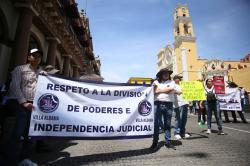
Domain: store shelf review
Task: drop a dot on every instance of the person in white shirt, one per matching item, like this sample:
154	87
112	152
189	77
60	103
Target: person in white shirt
181	111
164	97
22	91
212	104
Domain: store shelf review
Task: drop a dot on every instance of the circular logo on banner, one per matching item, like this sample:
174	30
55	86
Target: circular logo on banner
48	103
144	108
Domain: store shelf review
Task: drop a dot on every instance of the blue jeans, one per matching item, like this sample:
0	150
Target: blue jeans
181	119
165	109
213	106
21	129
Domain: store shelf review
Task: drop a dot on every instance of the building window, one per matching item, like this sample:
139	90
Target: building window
178	30
185	29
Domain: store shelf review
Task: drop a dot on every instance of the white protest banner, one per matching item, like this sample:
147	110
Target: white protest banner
84	110
230	100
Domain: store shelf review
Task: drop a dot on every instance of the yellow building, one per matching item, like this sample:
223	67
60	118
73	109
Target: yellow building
185	45
185	61
140	81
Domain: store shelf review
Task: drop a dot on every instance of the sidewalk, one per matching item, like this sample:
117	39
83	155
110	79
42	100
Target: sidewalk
200	149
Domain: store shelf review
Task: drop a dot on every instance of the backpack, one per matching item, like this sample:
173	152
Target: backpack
210	96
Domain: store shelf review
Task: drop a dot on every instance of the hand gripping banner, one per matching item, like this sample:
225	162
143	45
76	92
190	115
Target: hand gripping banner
86	110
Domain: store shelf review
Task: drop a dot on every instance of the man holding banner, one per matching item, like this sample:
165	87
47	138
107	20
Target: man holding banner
22	91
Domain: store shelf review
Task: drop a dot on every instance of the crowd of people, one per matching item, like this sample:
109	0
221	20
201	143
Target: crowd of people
168	99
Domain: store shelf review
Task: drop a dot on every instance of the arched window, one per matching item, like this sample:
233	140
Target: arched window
178	30
185	28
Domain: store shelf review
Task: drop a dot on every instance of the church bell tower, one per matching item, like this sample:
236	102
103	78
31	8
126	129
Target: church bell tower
185	44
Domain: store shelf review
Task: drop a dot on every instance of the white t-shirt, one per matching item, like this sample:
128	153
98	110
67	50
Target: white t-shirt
180	100
168	97
210	90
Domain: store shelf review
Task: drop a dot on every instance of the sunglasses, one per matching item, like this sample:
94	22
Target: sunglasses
35	55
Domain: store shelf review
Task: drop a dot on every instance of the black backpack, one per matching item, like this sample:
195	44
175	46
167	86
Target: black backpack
210	96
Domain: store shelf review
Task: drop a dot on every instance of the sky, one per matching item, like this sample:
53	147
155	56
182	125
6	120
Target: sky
128	34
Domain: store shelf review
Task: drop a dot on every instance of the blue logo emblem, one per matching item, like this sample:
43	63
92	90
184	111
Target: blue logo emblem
48	103
144	108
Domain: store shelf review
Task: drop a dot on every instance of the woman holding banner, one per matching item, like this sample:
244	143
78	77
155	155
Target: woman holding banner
164	89
212	104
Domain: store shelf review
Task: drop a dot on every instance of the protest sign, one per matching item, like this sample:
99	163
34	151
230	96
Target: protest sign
230	100
84	110
192	90
219	84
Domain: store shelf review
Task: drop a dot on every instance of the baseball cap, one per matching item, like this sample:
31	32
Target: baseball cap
36	52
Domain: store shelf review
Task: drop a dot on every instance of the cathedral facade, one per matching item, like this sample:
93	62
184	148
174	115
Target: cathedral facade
184	59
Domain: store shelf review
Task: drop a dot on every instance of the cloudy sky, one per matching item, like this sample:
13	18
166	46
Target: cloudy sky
127	34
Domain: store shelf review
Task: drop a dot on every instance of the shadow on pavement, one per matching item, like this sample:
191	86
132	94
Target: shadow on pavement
58	147
174	142
79	160
196	136
196	155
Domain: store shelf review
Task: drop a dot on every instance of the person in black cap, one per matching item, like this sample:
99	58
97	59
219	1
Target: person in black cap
164	89
22	90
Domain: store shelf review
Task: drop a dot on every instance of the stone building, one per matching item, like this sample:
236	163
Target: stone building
165	58
54	26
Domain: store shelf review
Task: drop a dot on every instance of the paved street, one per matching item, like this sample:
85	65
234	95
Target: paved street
201	149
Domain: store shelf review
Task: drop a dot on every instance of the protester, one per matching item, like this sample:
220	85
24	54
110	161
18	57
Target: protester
22	88
181	111
234	85
164	96
212	104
